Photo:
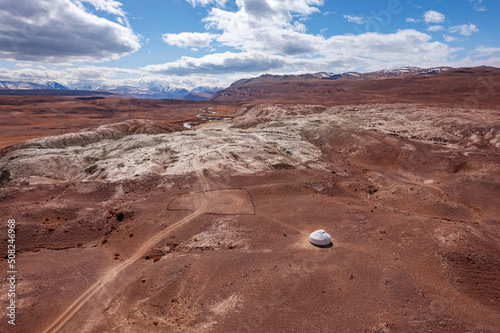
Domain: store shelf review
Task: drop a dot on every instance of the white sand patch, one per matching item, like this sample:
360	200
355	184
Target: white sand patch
227	305
222	234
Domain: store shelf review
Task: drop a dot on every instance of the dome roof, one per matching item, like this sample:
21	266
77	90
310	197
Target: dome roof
320	237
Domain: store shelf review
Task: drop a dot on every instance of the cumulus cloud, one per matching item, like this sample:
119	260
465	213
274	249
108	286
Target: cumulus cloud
435	28
189	39
22	65
478	5
109	6
278	11
220	63
355	19
265	26
206	2
472	61
268	35
480	56
373	50
448	38
261	36
70	76
62	31
483	51
99	76
431	16
464	29
274	32
338	53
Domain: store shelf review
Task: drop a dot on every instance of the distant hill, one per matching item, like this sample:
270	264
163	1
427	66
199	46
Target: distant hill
201	96
153	91
442	85
52	92
163	92
18	85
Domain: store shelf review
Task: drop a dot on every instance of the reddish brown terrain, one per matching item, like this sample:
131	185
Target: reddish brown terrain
460	87
26	117
129	222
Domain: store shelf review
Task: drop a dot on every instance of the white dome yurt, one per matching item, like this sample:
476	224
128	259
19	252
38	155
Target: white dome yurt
320	237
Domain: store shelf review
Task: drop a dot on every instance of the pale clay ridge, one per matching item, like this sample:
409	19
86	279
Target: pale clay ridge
263	137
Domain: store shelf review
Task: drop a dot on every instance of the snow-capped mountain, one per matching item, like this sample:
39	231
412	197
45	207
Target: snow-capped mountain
160	93
156	92
31	86
403	71
203	89
56	85
150	91
410	71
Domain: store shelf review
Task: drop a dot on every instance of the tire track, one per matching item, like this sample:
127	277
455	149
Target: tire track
72	309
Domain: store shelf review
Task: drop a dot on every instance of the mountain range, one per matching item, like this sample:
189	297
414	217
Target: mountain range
409	84
286	87
152	91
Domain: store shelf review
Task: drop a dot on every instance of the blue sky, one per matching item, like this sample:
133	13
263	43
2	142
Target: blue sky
188	43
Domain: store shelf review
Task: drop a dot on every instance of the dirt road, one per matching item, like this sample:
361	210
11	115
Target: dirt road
70	311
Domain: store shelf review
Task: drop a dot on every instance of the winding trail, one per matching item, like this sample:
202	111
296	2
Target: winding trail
70	311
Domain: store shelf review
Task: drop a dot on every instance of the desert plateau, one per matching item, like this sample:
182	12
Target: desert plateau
194	216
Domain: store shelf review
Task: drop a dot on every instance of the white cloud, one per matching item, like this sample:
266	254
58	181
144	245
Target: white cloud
206	2
109	6
220	63
471	61
262	36
480	56
464	29
69	76
448	38
269	28
338	53
355	19
29	74
112	7
478	6
482	51
189	39
256	27
412	20
278	9
373	50
62	31
435	28
106	76
431	16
